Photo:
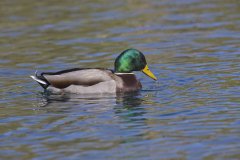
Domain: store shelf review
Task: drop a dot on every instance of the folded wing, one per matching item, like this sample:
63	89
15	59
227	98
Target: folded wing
77	76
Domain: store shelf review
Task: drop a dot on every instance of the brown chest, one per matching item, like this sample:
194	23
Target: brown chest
128	83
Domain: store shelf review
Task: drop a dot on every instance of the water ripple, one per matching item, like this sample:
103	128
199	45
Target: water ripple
191	112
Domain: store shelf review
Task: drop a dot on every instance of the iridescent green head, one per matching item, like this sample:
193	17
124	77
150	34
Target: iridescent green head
132	60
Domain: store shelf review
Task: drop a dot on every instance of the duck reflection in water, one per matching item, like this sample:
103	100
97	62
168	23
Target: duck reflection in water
129	107
126	106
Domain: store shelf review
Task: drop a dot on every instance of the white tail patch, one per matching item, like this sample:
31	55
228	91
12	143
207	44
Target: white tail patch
38	80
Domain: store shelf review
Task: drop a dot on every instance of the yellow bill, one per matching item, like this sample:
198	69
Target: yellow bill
147	71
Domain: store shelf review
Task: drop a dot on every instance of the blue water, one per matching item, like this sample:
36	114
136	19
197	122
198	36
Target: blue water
191	112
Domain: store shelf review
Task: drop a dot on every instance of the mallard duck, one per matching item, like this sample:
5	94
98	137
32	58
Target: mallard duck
97	80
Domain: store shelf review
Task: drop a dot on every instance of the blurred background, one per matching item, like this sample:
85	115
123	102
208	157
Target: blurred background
191	112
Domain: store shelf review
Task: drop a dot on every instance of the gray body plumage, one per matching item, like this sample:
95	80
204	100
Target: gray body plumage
87	81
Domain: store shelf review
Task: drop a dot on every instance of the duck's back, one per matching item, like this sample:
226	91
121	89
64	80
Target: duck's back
83	77
88	81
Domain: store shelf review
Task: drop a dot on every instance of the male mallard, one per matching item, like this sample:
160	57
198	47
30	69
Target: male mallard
87	81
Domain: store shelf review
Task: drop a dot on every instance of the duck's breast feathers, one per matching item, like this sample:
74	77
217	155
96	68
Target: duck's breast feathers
77	76
128	82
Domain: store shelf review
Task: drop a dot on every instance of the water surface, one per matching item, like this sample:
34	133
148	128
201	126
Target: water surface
191	112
